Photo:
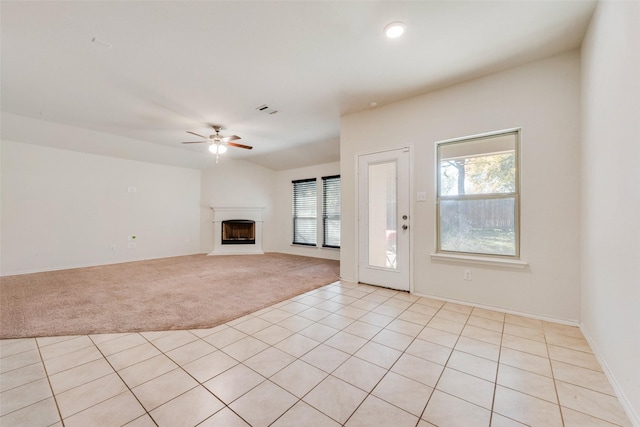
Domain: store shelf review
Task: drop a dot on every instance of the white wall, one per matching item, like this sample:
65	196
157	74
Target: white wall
235	183
611	194
41	132
63	209
283	201
543	99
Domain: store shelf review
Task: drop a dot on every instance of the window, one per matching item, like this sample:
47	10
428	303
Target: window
305	212
478	195
331	211
306	221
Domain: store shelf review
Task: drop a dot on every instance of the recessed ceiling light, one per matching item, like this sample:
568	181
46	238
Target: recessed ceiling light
394	29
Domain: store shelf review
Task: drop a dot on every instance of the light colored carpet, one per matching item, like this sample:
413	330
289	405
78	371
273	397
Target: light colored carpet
187	292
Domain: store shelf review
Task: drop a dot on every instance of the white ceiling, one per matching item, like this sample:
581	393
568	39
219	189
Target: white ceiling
158	69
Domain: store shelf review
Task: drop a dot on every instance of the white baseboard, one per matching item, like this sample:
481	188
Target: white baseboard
96	264
241	252
569	322
626	405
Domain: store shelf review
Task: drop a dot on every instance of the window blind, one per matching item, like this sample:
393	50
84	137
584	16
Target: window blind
305	212
331	211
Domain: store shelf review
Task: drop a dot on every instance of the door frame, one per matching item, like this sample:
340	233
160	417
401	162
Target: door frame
357	155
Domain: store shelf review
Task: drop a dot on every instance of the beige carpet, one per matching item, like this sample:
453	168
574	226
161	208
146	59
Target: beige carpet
188	292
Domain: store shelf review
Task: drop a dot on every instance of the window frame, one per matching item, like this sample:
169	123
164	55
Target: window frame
325	217
294	215
516	195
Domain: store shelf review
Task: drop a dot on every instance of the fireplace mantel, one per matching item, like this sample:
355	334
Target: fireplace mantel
227	213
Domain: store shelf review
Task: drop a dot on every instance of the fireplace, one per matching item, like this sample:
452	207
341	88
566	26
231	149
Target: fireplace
238	232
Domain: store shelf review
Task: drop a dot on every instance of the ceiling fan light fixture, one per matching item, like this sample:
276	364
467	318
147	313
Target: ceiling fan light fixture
394	29
217	149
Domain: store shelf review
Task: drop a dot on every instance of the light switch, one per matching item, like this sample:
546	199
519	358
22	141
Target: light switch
421	196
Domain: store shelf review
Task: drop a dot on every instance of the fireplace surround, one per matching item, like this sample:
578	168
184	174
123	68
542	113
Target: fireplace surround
237	230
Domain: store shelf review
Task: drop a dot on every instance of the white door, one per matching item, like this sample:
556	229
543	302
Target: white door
383	219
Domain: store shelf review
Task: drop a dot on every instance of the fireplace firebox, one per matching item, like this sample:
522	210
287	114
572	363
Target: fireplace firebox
238	232
247	239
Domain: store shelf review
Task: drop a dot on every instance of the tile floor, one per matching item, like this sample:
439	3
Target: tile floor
343	354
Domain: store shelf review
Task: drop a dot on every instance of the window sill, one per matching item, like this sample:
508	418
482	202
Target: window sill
326	248
469	259
303	245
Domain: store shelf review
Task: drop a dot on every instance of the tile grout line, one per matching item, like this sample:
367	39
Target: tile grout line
369	393
186	372
122	379
330	374
495	383
555	381
46	372
433	389
181	368
553	375
445	364
498	372
226	405
297	358
298	399
39	362
243	364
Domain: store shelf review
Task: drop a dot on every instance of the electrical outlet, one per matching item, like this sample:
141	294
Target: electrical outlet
131	245
113	247
467	274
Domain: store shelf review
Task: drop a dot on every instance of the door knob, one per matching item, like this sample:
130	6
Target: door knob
405	226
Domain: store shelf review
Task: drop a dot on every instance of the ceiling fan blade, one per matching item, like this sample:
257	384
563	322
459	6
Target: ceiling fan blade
233	144
197	134
193	142
230	138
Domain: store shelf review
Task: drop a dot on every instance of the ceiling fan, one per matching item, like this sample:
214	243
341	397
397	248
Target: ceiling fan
218	142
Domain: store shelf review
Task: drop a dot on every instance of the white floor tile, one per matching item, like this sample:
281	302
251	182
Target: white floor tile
343	354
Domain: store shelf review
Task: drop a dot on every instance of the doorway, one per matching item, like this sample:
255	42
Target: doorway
383	219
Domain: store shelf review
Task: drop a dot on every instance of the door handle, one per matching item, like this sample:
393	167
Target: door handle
405	226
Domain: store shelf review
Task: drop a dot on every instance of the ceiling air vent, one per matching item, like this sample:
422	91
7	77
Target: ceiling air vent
266	109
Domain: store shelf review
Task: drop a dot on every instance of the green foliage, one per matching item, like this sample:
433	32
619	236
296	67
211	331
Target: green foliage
493	173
